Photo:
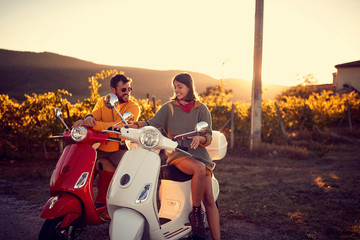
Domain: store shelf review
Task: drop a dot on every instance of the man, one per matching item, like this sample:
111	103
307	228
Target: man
109	155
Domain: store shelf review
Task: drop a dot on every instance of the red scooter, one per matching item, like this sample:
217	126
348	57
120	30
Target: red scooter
71	205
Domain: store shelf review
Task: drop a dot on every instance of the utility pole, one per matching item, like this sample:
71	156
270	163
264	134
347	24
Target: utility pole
255	134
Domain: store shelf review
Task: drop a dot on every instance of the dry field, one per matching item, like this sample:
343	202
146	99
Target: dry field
274	192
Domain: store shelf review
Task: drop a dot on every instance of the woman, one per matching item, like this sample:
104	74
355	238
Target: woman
180	115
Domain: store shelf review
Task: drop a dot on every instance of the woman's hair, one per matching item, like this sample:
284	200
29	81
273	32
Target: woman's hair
187	80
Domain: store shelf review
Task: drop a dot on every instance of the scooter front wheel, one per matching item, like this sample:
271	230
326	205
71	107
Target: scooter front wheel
51	230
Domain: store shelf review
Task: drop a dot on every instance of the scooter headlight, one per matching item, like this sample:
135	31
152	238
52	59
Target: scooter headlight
79	133
149	137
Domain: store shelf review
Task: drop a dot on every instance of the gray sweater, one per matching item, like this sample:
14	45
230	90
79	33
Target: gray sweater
172	120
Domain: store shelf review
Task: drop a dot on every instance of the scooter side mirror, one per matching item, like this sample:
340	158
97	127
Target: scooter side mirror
202	127
128	117
58	113
111	100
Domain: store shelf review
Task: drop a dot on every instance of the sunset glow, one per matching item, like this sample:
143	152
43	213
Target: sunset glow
211	37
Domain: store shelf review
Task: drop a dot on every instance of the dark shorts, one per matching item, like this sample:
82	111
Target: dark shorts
114	157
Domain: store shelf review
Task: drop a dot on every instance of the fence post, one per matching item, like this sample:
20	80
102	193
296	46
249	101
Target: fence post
45	150
232	128
349	117
281	122
68	115
154	103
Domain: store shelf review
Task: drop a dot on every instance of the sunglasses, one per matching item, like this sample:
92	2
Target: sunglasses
124	89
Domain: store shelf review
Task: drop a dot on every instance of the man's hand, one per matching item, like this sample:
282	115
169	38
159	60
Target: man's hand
88	122
78	123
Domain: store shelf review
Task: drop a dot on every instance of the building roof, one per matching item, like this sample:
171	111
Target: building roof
349	64
326	87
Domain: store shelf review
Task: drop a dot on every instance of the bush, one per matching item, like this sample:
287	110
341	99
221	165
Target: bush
27	125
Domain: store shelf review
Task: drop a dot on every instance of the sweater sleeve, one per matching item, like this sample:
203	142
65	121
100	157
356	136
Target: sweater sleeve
205	116
96	112
159	120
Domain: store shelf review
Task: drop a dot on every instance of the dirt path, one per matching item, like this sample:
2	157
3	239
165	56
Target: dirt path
270	198
20	218
22	202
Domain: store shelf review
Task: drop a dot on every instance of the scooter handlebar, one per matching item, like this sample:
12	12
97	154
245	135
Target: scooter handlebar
134	135
112	130
182	148
57	136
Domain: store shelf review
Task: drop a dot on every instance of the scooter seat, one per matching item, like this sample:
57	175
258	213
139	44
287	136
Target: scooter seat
170	172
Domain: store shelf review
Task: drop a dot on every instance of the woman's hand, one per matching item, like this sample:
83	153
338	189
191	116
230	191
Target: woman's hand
196	141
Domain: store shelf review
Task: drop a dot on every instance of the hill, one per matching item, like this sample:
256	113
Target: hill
29	72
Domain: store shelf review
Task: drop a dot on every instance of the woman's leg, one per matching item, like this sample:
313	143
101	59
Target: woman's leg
212	212
198	170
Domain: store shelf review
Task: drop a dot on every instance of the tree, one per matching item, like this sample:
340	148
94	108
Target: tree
303	90
218	100
217	95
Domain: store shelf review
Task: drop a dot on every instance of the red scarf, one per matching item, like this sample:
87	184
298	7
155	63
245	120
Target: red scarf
186	106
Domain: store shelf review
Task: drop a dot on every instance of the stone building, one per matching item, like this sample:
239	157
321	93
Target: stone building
347	77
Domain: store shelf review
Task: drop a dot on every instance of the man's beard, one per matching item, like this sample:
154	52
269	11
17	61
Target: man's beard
121	100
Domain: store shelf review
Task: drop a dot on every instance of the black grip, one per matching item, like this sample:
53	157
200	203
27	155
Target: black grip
112	128
183	148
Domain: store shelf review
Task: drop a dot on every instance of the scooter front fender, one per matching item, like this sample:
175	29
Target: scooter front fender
126	224
64	204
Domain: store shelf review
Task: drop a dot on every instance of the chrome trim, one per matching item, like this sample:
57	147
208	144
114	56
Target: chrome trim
82	180
144	193
53	201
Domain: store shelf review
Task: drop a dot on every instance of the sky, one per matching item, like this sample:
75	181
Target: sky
215	37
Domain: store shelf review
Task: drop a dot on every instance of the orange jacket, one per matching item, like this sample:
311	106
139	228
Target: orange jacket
106	117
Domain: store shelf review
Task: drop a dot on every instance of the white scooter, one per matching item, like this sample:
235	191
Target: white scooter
134	192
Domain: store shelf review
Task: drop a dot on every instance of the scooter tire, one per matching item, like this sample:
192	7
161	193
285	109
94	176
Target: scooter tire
51	230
